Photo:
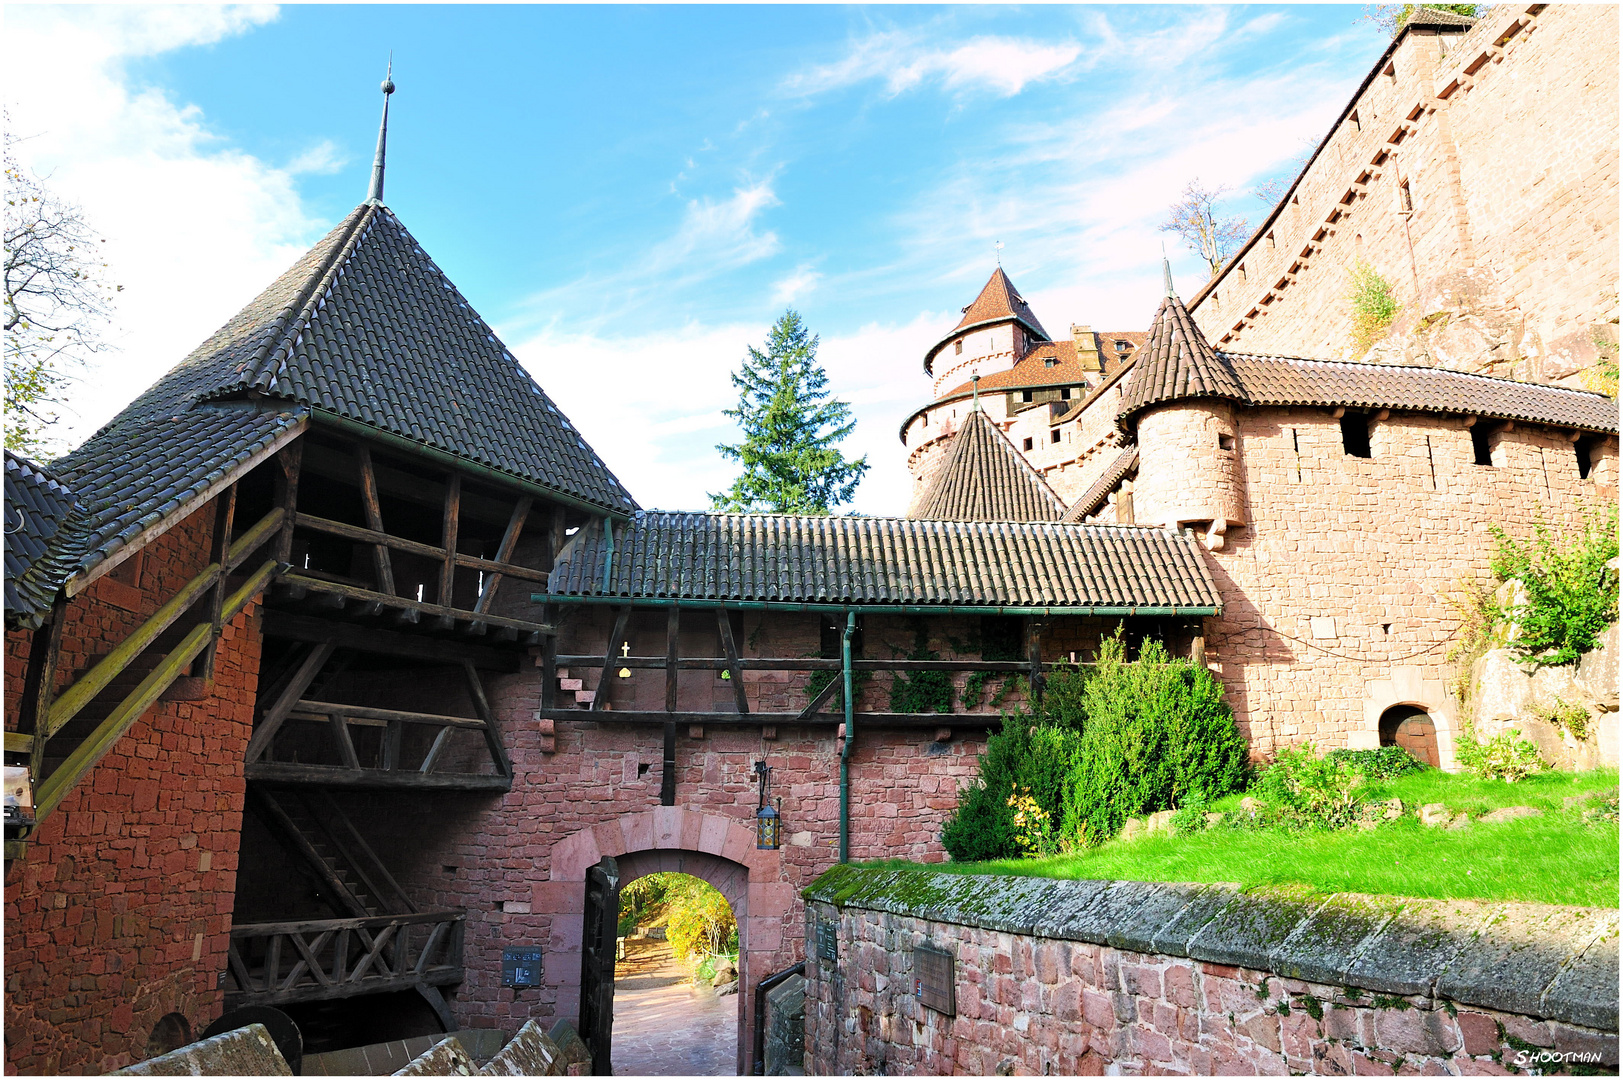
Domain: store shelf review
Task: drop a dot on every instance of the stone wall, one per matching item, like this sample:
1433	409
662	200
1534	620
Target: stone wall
1091	977
119	914
1504	140
1335	592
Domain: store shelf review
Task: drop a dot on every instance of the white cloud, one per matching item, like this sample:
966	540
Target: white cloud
802	281
324	159
194	227
658	423
903	62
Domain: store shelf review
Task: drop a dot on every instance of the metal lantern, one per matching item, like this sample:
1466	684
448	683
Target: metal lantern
768	821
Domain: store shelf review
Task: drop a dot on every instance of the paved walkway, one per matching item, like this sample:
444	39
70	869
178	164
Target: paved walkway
663	1024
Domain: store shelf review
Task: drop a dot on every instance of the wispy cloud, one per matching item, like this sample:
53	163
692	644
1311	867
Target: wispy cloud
322	159
904	61
802	281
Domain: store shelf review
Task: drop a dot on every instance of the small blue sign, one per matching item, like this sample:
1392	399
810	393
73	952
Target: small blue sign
521	967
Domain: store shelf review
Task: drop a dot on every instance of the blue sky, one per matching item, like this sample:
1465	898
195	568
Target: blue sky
631	195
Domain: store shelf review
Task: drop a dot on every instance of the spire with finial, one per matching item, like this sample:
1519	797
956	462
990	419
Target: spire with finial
1166	272
975	383
374	194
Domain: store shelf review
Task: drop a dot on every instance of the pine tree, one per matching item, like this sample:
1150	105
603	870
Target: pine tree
791	426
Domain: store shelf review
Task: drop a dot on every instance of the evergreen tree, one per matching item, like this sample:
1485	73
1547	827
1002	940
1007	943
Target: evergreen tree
791	426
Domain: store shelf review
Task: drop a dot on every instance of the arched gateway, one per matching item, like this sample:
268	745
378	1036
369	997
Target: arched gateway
715	848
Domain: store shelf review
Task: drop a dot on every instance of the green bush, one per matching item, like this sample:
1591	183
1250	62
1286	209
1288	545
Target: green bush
1507	756
1301	788
1382	764
1153	732
1373	305
1571	592
1025	756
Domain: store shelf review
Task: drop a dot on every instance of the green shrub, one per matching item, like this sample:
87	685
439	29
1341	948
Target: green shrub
1152	732
1304	789
1373	305
1024	756
1191	816
1507	756
1571	592
1382	764
923	691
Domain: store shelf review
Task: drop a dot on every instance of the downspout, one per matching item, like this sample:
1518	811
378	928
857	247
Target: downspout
850	736
608	553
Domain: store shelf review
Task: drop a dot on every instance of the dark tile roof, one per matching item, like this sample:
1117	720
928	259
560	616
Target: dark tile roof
1282	380
998	302
986	479
1176	362
38	546
884	561
1126	462
363	326
1426	16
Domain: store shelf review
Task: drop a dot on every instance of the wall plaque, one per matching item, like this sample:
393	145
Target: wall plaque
521	967
934	979
828	942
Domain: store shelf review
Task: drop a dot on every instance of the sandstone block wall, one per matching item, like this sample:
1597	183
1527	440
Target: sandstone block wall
1504	143
1190	465
121	910
1091	977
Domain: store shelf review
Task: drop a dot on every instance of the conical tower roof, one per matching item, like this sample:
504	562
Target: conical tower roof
1176	362
986	479
998	302
363	330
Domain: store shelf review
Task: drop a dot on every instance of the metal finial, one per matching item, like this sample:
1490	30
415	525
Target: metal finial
1166	275
975	385
997	252
374	194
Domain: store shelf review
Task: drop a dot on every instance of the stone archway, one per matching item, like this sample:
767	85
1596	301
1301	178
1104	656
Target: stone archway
713	847
1413	688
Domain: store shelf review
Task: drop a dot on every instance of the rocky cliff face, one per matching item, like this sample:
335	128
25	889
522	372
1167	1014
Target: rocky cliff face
1505	694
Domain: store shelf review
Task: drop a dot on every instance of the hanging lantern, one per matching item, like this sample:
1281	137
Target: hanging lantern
768	822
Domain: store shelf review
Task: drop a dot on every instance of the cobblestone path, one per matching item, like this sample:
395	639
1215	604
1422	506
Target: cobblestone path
663	1024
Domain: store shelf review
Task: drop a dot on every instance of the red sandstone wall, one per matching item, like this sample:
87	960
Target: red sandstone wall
1508	262
1371	548
120	912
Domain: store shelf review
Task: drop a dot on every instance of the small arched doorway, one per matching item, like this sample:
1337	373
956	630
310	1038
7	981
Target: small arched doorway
1412	728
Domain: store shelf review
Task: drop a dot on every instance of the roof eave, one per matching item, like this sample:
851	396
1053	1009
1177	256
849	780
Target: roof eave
930	356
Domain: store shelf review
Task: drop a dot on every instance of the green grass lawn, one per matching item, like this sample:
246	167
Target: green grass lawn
1555	858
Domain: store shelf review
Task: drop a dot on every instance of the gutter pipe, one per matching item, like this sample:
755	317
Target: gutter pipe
761	989
850	737
881	609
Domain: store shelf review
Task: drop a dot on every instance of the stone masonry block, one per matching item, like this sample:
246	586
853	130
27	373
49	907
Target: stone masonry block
740	842
668	821
572	855
1173	936
1518	954
611	840
1405	955
1325	945
557	897
638	831
1585	992
713	834
1248	930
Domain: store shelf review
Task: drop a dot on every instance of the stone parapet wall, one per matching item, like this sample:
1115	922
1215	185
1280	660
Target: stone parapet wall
1088	977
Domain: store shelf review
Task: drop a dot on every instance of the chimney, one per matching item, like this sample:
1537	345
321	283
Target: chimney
1087	347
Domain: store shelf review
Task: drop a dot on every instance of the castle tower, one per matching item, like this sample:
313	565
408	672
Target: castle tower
1180	399
997	330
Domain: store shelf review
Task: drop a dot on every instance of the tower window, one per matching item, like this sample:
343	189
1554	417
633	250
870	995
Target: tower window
958	346
1225	442
1405	199
1065	393
1053	435
1481	449
1355	435
1025	395
1026	445
1585	449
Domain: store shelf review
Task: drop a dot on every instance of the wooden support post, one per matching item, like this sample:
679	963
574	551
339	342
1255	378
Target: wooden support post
391	745
725	625
433	756
621	616
287	496
504	554
559	525
549	661
453	513
291	693
346	745
481	706
1034	656
820	700
225	512
39	687
374	519
667	776
1197	644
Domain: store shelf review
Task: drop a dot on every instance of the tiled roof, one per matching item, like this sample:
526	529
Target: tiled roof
363	326
1176	362
38	546
1282	380
886	561
998	302
1093	498
1427	16
986	479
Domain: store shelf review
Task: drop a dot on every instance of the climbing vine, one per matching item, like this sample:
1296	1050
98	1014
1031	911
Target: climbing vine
923	691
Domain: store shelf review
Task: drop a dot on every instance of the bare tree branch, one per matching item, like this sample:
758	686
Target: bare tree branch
1194	218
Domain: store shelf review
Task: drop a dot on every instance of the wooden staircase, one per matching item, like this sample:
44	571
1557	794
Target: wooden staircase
315	827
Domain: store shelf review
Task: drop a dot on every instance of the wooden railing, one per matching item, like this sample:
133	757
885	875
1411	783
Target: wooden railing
316	960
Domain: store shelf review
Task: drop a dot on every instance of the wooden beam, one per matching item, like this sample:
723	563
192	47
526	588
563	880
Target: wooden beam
275	816
1034	655
621	616
336	776
447	618
346	745
811	663
549	661
560	525
481	705
667	774
288	464
374	518
441	740
819	701
448	531
285	702
673	622
725	626
225	513
375	537
383	716
94	681
504	552
250	541
44	654
285	624
55	787
780	719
